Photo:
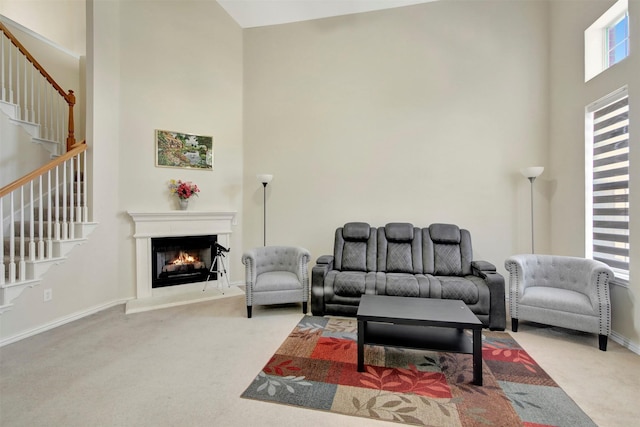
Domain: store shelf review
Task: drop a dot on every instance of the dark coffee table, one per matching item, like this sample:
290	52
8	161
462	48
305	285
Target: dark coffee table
424	323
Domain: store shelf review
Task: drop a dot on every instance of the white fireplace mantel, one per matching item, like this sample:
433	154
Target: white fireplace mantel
181	223
150	225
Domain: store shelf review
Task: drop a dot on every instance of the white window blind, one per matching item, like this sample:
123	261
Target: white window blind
608	186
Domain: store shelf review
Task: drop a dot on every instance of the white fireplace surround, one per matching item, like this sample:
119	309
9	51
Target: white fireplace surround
150	225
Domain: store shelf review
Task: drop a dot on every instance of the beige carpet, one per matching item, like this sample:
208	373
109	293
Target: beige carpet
188	365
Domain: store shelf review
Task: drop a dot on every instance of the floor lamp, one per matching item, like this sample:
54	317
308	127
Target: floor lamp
265	179
531	173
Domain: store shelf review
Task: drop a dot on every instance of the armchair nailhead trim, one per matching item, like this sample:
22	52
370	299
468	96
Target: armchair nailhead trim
604	303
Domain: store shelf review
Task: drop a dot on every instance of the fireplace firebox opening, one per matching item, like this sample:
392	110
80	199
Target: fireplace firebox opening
181	260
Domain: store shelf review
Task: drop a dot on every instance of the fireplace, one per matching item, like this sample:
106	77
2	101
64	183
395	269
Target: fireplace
205	231
183	259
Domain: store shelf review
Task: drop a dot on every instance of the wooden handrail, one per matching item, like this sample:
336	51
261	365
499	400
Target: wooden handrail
74	151
70	98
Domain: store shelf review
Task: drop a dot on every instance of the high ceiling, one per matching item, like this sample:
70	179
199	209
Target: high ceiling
259	13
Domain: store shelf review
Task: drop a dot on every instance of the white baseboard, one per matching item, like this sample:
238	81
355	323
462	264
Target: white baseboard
61	321
625	342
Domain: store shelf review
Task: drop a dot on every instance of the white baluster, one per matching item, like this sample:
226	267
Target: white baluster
26	94
45	114
12	240
32	238
32	110
40	221
18	100
4	82
56	200
22	266
72	233
49	209
65	224
11	98
39	96
52	122
79	194
85	207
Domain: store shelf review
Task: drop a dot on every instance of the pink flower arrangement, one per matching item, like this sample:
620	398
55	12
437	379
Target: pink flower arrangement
183	189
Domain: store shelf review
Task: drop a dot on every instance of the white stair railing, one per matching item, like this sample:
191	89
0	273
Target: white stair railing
39	99
55	204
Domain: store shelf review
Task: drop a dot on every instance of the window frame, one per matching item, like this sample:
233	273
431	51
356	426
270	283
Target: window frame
607	48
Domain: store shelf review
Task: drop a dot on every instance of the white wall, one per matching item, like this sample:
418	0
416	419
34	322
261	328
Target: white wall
421	114
181	70
569	96
61	21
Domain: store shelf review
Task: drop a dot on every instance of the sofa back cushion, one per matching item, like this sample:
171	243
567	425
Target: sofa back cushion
355	247
399	249
446	250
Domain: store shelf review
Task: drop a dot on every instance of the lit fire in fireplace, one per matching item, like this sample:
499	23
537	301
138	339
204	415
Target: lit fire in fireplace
182	263
184	258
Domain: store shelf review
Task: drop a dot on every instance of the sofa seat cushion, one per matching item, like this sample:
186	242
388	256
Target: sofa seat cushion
401	285
349	283
277	281
454	287
557	299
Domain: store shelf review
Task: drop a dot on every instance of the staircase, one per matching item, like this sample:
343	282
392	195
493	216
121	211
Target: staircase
44	213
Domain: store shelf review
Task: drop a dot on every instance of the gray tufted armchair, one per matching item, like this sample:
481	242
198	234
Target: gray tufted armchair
562	291
276	275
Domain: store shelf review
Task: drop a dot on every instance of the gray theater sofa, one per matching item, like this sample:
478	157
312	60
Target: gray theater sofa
402	260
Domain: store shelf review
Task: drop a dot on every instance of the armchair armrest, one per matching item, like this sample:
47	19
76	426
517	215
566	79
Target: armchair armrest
324	264
249	260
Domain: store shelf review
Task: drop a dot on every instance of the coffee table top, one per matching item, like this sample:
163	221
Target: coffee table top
417	311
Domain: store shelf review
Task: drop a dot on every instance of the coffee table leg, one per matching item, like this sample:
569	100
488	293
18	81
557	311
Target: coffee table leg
477	357
361	325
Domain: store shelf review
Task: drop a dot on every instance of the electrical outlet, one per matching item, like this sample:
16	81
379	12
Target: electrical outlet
48	294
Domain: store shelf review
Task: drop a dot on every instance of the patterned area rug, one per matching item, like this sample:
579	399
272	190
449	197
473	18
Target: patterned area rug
316	368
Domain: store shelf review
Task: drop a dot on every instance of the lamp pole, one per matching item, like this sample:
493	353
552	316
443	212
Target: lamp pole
265	179
531	179
531	173
264	213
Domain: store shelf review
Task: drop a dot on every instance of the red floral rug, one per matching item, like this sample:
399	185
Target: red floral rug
316	368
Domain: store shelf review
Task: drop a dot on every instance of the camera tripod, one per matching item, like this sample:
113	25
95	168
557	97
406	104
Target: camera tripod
217	266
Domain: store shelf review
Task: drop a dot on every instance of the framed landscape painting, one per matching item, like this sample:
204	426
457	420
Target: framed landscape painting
183	150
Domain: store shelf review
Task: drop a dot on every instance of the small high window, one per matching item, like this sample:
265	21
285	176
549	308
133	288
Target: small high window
606	41
618	40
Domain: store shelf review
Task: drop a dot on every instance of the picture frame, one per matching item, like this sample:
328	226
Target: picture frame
183	150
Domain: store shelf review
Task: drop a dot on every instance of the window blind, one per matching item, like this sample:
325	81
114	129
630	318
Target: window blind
610	191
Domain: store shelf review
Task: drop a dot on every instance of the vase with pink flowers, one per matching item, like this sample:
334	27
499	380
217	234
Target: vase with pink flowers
184	190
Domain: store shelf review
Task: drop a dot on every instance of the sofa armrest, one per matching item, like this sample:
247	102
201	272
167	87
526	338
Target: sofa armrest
482	266
325	259
495	283
324	264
